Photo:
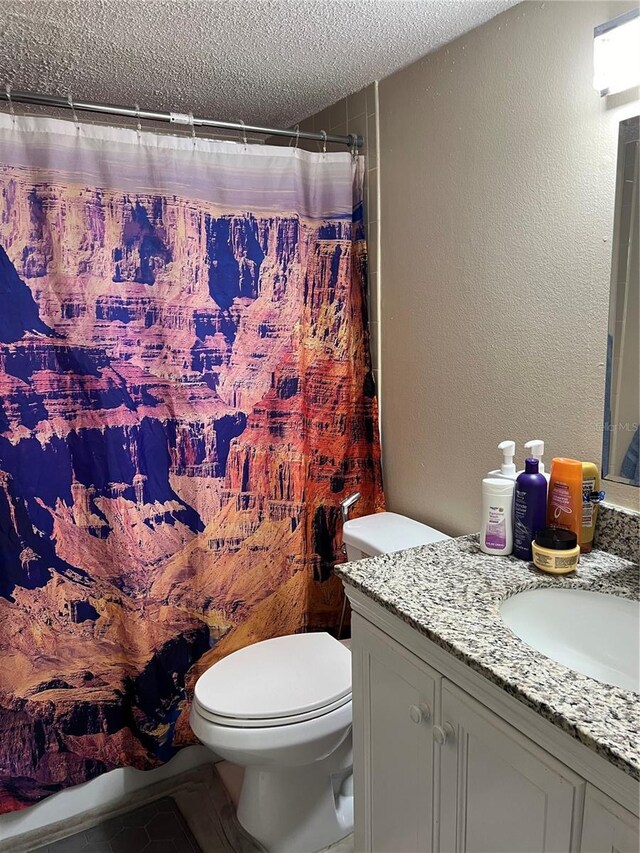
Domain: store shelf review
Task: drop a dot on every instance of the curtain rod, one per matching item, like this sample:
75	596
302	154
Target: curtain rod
352	140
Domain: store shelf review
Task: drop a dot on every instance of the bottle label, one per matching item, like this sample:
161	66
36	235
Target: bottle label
560	501
521	534
496	532
588	508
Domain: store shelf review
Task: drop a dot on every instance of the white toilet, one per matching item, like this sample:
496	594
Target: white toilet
281	709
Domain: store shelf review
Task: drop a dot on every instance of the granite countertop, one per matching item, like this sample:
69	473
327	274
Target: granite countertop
451	592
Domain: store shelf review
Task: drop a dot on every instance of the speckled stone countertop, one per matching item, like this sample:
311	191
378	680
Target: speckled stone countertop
451	592
618	531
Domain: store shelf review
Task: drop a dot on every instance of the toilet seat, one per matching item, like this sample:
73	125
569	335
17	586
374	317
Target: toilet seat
276	682
268	722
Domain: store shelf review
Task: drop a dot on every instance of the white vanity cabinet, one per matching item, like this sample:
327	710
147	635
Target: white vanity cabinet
499	792
438	771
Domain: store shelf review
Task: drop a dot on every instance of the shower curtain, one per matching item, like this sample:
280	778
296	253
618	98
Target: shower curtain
185	398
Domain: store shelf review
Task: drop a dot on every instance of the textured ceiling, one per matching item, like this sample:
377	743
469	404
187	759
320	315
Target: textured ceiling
264	61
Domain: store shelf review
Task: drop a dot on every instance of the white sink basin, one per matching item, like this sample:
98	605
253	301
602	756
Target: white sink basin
590	632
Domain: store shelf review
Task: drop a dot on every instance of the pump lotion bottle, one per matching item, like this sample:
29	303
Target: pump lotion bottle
535	450
530	513
507	469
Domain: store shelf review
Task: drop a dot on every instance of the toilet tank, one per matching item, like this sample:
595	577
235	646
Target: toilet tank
385	532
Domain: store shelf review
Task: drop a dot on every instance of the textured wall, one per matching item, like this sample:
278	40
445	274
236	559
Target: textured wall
497	163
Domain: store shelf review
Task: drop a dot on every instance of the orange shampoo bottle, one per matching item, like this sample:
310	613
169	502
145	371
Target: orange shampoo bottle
564	504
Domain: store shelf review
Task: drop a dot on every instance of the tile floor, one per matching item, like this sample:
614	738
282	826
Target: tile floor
157	827
195	813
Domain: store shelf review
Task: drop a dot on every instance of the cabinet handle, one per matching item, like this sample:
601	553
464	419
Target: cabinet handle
443	733
419	713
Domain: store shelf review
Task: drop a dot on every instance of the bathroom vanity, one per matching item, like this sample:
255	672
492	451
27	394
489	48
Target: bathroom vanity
466	738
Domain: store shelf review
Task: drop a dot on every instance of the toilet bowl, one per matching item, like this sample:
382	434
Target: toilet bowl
281	708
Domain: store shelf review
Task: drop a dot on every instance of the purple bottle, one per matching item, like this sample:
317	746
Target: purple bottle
530	508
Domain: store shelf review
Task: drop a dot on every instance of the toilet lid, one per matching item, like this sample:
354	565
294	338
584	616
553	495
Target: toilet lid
286	677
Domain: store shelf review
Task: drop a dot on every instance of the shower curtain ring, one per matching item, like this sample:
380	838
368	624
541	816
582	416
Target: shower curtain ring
73	112
138	125
323	134
297	137
244	132
194	138
354	146
11	110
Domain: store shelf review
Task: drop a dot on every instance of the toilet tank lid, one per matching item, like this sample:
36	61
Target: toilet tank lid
386	532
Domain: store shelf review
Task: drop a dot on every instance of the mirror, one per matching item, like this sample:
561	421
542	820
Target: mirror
620	452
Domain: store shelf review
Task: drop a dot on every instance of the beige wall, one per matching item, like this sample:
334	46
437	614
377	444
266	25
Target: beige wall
358	114
497	170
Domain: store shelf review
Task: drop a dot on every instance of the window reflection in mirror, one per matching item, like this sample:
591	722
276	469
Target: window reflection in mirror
620	455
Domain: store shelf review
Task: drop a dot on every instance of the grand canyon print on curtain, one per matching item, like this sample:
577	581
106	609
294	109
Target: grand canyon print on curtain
186	397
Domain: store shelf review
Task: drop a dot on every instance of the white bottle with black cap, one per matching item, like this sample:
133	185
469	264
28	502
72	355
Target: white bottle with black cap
506	471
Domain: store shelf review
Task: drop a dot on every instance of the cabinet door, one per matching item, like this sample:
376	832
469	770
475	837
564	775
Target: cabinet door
394	695
607	827
500	793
